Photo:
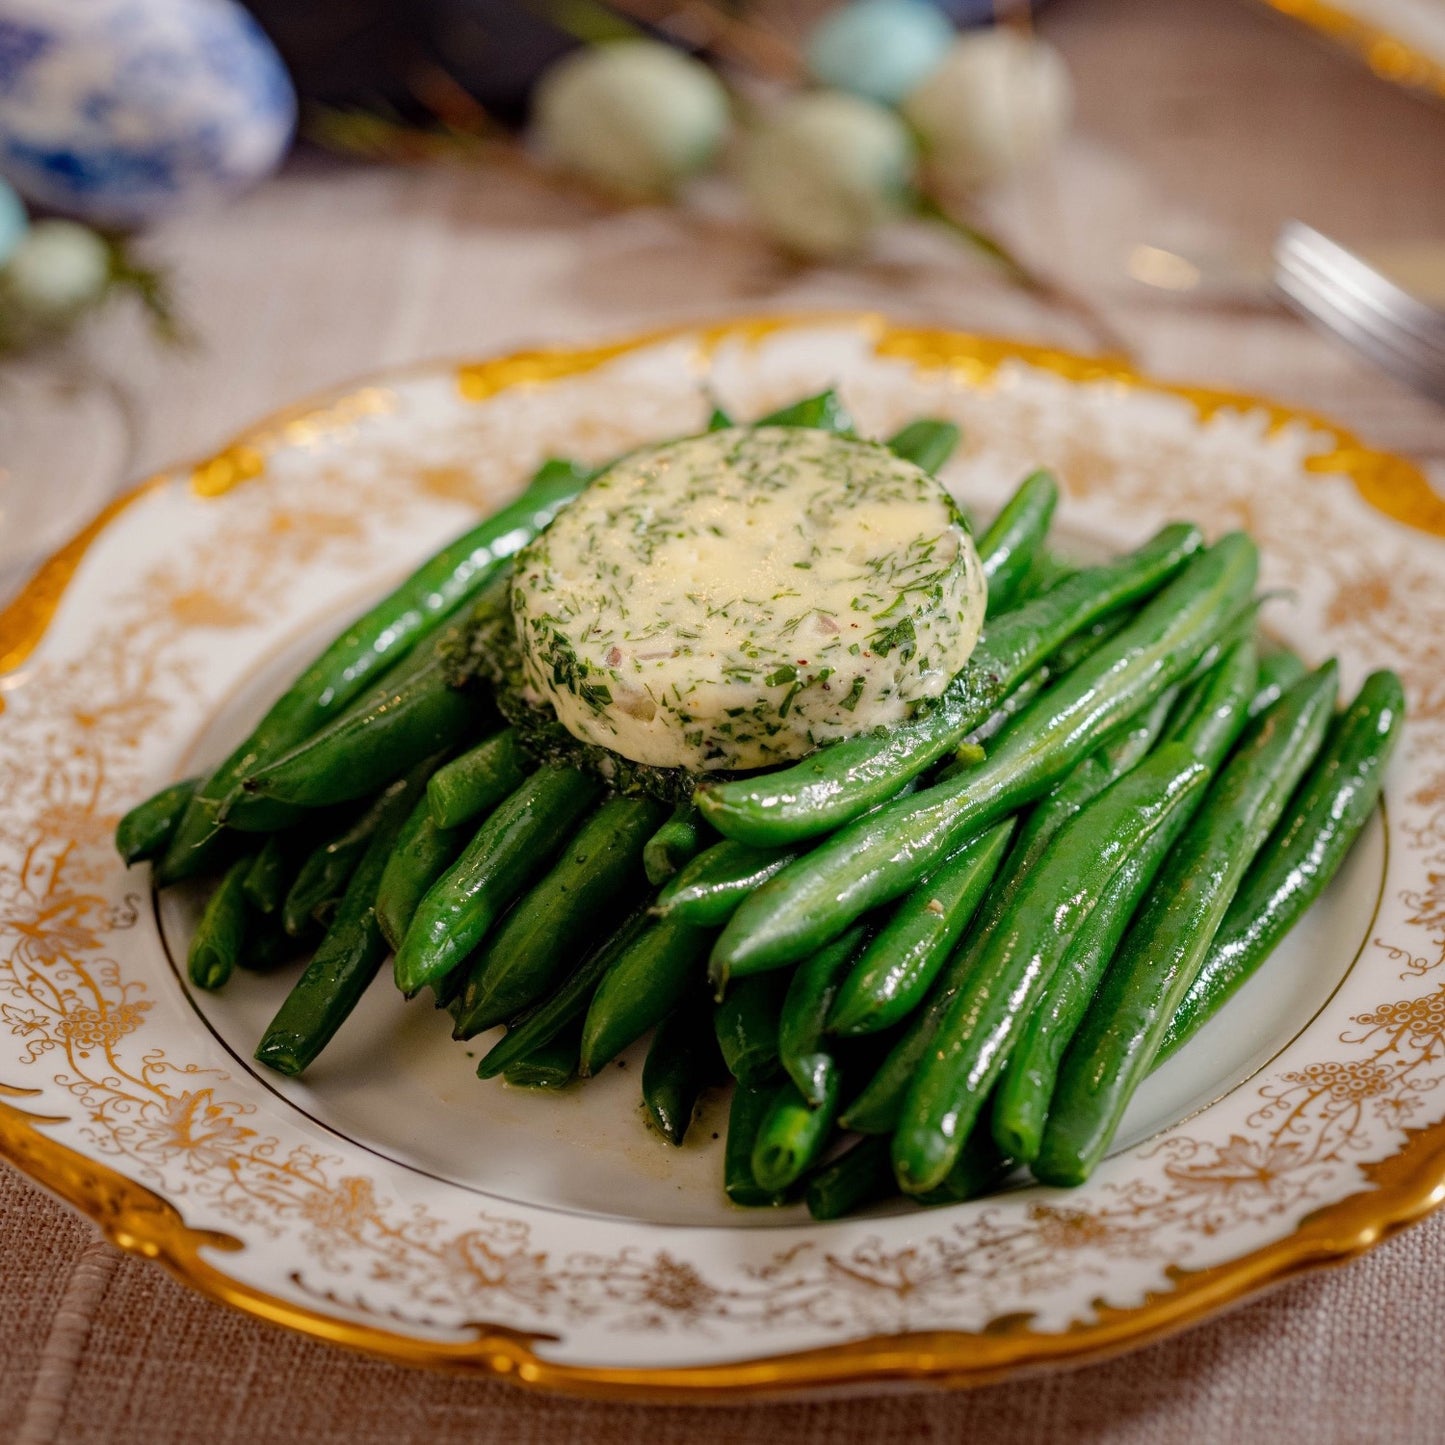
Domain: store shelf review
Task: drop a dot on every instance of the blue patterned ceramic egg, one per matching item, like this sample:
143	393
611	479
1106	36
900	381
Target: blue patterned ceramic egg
118	111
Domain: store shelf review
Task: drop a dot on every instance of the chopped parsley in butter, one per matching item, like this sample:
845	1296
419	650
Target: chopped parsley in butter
734	600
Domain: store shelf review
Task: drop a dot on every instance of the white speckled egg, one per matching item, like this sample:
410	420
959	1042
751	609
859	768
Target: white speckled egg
118	111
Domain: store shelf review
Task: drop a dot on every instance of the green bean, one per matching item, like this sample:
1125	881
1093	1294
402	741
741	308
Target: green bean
708	890
1213	711
592	883
861	1175
649	979
146	831
383	735
1021	1099
926	443
681	1062
825	412
747	1023
675	844
876	1109
1009	547
983	1021
1322	821
877	859
323	876
423	852
895	971
792	1134
268	946
804	1014
567	1004
1167	941
1208	721
979	1168
348	957
838	783
369	645
477	781
1279	670
749	1106
271	874
510	850
552	1065
220	937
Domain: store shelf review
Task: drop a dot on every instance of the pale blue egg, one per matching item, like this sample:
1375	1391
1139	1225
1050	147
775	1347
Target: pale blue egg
13	222
880	49
119	111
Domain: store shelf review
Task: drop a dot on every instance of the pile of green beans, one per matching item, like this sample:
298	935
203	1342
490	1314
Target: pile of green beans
920	960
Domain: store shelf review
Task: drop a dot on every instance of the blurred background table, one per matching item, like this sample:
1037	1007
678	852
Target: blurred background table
1201	127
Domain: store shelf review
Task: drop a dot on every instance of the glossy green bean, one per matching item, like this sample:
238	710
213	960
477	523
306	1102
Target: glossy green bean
1207	723
423	852
1309	844
270	875
348	956
893	974
983	1021
926	443
804	1015
682	1061
675	844
323	875
860	1176
477	781
1279	670
648	980
511	849
825	412
552	1065
746	1114
220	936
367	647
146	831
1168	939
876	1108
708	890
793	1134
380	737
1012	543
877	859
566	1004
747	1024
591	885
837	784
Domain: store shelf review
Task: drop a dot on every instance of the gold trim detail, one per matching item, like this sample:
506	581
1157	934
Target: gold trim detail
1387	55
1403	1188
140	1222
24	622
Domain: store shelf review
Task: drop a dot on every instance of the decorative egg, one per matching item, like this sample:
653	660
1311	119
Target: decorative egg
59	267
13	222
997	102
826	171
118	111
879	49
635	117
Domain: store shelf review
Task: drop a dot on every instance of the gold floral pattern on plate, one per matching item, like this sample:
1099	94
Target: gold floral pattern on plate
115	1098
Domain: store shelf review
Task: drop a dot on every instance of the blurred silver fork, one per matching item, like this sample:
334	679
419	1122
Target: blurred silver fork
1346	296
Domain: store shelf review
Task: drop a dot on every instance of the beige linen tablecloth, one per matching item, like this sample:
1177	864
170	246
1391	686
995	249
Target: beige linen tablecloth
1201	125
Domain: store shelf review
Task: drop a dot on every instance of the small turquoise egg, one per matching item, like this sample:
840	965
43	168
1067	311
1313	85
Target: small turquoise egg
119	111
879	49
13	222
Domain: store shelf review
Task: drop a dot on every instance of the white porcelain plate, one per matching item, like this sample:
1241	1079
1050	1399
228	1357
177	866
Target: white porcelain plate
394	1202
